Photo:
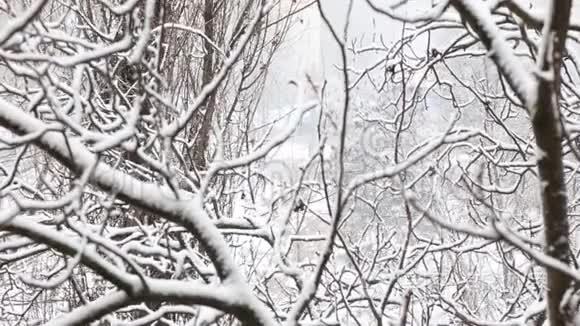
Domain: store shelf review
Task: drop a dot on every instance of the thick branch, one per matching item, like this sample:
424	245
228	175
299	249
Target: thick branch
217	296
187	211
522	81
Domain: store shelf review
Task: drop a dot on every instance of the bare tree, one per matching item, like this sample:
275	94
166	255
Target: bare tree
140	185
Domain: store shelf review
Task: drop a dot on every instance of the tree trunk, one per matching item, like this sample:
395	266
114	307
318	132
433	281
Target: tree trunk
548	132
202	128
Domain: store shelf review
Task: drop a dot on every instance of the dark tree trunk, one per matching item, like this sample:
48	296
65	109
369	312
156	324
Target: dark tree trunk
202	128
548	132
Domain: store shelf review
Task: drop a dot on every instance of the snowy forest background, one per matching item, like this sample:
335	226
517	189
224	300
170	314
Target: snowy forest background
295	162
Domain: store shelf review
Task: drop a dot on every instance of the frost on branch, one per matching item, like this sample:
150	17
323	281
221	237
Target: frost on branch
221	162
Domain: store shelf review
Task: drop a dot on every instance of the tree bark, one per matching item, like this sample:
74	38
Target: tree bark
203	128
548	133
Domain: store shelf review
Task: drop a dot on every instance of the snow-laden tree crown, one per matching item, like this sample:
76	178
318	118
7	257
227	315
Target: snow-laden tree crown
293	162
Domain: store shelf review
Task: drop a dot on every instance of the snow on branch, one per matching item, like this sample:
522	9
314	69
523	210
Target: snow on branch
534	18
520	79
222	297
16	24
193	31
187	212
419	16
